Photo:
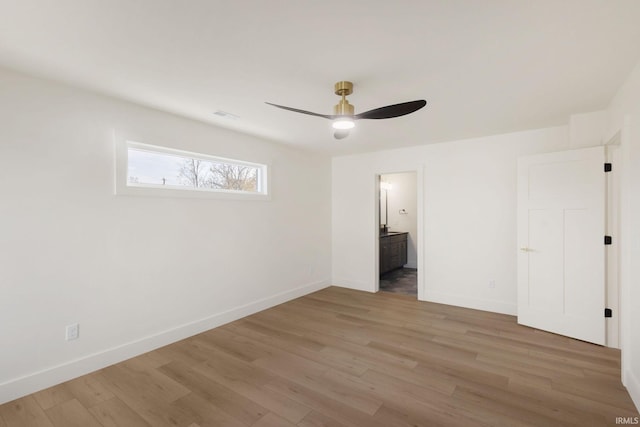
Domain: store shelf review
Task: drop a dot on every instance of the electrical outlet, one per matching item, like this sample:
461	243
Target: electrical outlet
492	284
72	332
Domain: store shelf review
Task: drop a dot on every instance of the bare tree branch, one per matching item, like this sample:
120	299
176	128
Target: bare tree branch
224	176
194	172
233	177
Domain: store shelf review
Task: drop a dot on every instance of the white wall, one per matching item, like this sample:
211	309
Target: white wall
624	115
135	272
403	195
469	216
587	129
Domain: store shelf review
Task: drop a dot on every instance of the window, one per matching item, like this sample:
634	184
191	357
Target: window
163	169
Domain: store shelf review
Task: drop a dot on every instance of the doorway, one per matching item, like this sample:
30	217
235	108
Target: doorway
398	233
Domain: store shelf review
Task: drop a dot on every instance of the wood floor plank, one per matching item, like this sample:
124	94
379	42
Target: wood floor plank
344	358
317	419
525	374
155	358
236	345
368	355
325	323
89	390
456	373
532	365
71	414
24	412
209	415
607	380
115	413
400	395
333	304
426	352
289	365
186	351
438	383
224	365
530	410
607	367
151	381
387	383
321	403
413	417
279	329
330	387
230	402
553	397
147	400
584	388
250	386
410	401
312	377
272	420
53	396
573	349
340	363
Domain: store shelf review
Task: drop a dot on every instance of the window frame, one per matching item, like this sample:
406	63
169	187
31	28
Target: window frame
123	187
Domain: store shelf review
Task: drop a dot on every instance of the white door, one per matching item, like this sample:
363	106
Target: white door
561	227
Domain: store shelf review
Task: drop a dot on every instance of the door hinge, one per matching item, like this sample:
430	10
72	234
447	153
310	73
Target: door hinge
608	240
608	312
608	167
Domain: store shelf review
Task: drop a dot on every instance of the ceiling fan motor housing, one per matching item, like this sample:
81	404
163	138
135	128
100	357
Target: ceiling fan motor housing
343	108
343	88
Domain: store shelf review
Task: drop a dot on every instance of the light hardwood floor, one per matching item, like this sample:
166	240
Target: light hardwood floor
346	358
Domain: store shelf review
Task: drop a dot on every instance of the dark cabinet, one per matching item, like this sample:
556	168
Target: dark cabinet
393	251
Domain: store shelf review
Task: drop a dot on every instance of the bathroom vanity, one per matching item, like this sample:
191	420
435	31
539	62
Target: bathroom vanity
393	250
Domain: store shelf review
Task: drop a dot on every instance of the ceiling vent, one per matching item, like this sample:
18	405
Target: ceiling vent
226	115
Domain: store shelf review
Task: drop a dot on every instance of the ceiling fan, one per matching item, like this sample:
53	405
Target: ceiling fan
343	117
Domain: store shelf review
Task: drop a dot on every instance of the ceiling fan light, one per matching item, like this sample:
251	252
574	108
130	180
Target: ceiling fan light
343	124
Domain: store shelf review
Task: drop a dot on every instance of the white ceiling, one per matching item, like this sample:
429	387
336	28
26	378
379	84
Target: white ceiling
484	66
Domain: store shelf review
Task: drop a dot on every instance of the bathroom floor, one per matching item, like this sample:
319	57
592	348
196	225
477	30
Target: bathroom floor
401	281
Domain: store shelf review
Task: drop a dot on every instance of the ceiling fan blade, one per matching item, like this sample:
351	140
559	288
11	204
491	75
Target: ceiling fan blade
341	133
390	111
295	110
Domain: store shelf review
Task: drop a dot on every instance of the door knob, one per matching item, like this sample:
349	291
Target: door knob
525	249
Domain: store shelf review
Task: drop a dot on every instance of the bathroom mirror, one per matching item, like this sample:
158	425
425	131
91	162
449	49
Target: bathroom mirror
383	210
384	206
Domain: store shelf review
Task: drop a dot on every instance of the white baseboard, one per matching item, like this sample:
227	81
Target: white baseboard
633	387
475	303
350	284
411	265
18	387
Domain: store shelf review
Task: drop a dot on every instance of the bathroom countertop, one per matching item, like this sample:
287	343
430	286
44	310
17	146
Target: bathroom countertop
393	233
